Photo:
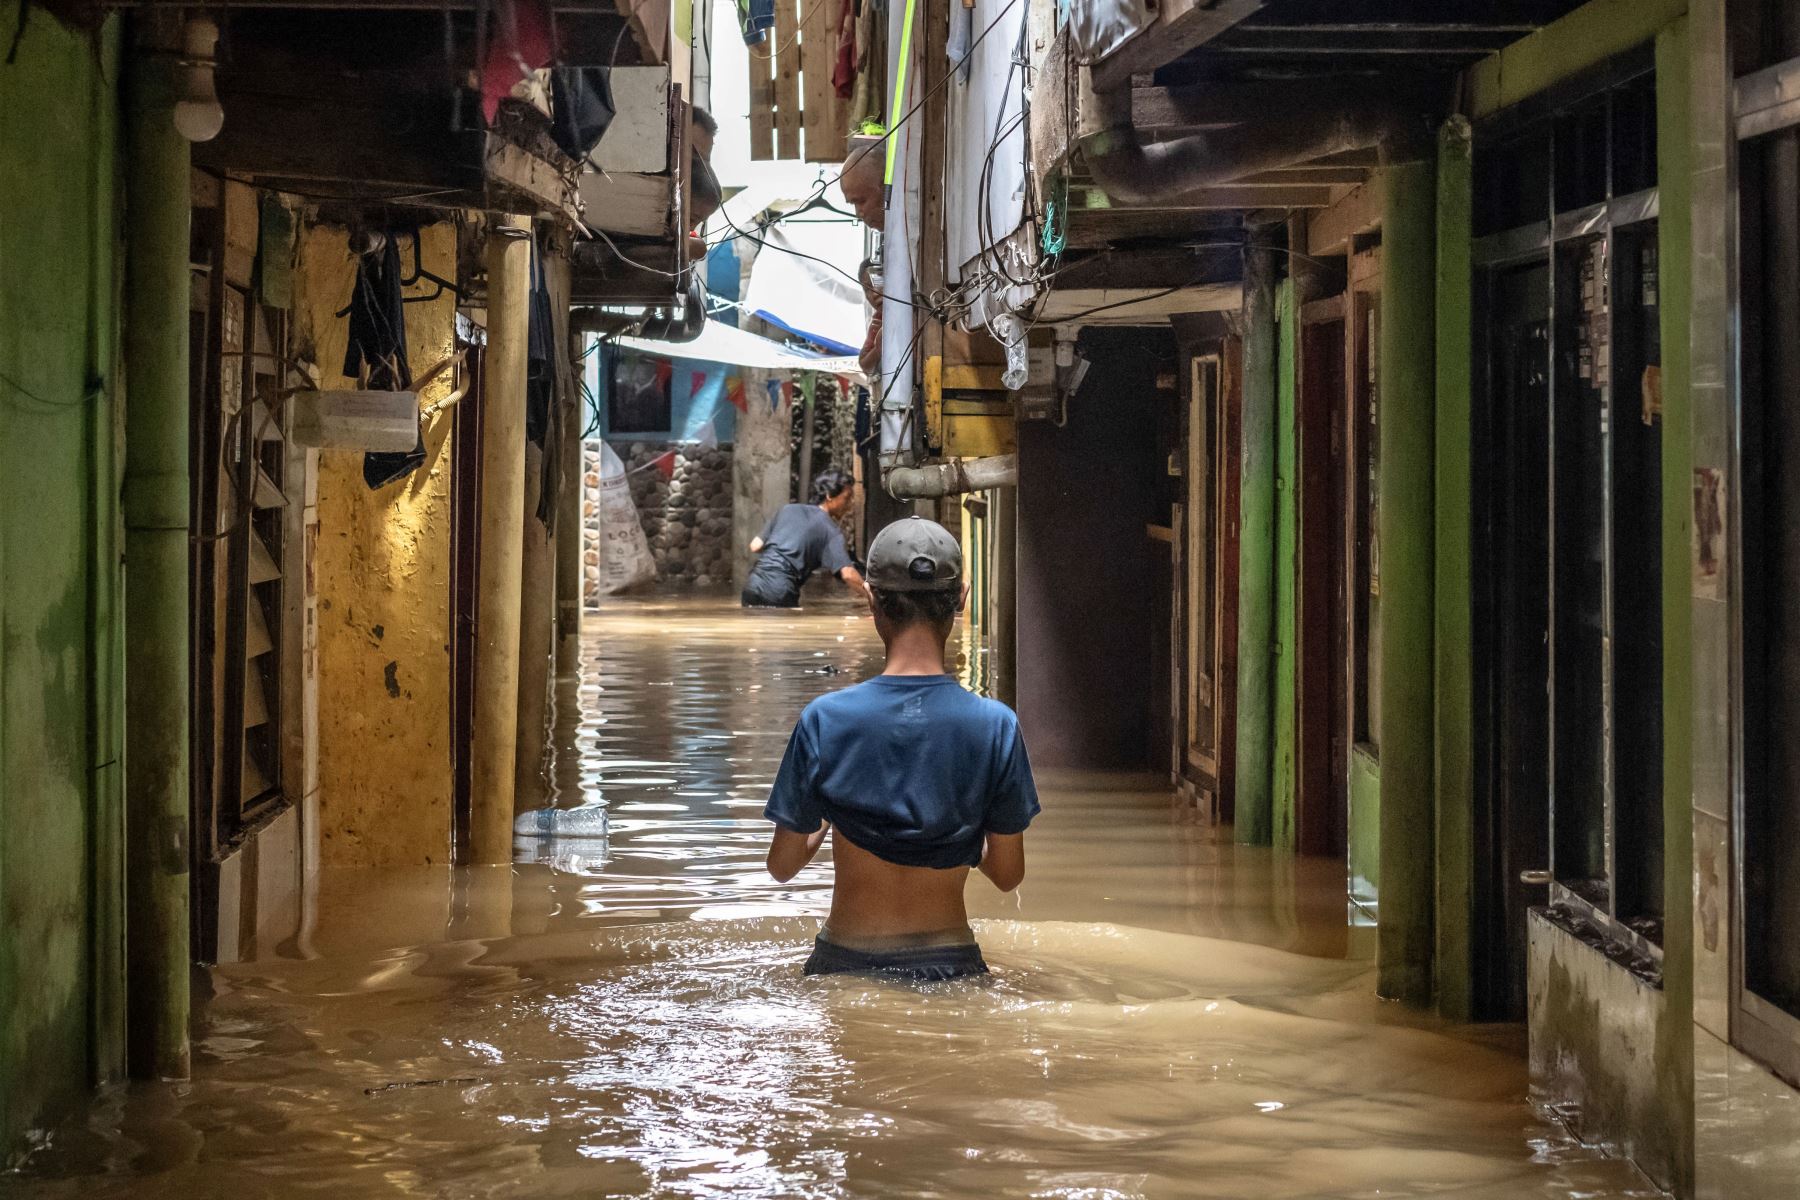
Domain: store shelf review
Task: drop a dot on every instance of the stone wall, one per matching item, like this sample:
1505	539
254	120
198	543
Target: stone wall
686	517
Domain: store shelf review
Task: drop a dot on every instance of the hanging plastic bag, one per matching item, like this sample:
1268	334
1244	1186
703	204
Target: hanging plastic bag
625	558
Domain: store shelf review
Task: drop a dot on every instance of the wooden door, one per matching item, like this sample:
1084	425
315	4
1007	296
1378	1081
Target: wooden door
1324	719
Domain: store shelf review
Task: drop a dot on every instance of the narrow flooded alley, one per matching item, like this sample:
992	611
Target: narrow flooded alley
1170	1014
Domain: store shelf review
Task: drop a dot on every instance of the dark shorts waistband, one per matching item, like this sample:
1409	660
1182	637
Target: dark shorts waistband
755	599
928	963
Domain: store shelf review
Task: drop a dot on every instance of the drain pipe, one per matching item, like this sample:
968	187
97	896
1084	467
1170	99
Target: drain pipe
1132	171
952	478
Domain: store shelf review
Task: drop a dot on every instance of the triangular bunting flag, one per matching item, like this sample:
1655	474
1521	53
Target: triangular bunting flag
787	390
664	369
708	435
774	394
696	383
665	464
734	392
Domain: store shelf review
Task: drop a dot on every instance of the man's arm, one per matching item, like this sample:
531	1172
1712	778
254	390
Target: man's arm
853	579
1003	859
790	851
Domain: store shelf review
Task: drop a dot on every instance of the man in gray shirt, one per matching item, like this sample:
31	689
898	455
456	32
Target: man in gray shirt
798	540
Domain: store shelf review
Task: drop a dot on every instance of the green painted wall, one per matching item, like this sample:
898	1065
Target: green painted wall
1406	527
1285	798
1452	565
61	809
1674	169
1256	548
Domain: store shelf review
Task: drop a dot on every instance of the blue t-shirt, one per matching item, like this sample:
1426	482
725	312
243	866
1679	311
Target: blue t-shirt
912	768
798	540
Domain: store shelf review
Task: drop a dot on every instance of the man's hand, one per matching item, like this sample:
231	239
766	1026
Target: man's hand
790	851
756	545
1003	859
870	357
854	581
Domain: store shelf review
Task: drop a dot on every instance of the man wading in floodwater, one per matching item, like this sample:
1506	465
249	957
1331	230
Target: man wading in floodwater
798	540
921	779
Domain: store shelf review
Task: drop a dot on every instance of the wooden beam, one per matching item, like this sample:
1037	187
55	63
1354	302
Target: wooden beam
521	182
1136	306
1330	230
1180	26
762	100
1231	195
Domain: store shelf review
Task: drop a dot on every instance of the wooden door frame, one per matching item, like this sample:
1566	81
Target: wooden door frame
1322	803
1198	476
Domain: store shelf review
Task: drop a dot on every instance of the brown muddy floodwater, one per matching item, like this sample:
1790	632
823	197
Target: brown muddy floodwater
1169	1015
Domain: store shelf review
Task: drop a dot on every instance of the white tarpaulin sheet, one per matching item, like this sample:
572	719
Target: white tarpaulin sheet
985	102
720	343
804	281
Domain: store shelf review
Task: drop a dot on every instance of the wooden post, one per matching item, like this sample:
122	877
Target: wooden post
537	620
155	502
494	752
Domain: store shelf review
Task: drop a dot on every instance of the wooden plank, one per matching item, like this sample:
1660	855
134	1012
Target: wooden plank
826	116
1180	26
815	77
762	101
787	78
635	204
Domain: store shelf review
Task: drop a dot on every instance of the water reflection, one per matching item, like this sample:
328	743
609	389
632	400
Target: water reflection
1170	1014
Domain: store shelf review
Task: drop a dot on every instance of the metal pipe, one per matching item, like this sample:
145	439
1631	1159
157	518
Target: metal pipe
953	477
1132	171
155	502
495	749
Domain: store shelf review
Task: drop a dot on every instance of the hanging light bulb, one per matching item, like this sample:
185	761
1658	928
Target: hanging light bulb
197	113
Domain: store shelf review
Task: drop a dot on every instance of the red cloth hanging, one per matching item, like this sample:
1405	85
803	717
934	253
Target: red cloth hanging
843	71
520	45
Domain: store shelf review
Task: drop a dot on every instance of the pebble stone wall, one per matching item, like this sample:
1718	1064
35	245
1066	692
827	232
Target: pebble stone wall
687	518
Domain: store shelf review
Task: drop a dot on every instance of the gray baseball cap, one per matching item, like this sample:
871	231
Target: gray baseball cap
915	555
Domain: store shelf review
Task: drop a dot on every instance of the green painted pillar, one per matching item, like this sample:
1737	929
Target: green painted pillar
155	498
1675	248
1284	798
1452	637
1405	529
1256	549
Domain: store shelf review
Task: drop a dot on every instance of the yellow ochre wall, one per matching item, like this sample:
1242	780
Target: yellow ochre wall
383	564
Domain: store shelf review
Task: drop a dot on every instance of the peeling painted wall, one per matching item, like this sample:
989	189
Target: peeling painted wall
383	579
759	468
1593	1039
61	694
